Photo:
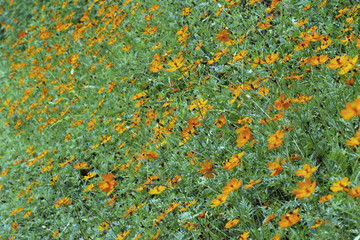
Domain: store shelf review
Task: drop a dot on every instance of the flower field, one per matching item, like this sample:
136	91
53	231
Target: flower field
144	119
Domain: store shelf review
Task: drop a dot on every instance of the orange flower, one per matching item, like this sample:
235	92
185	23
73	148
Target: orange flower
276	166
319	223
156	66
324	44
337	62
344	62
202	215
130	210
80	165
306	189
5	172
340	185
108	183
268	219
358	43
89	175
244	137
223	36
302	22
14	226
126	48
233	161
264	25
186	11
322	4
220	121
351	110
281	103
318	60
240	56
354	141
307	7
355	192
147	155
341	12
271	58
313	37
231	223
253	1
206	169
276	139
122	235
232	185
43	34
276	237
306	171
156	236
220	199
63	202
289	219
301	45
326	198
349	65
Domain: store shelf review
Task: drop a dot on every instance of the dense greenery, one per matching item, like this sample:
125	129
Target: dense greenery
223	119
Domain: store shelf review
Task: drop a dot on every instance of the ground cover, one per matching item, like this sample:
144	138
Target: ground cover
225	119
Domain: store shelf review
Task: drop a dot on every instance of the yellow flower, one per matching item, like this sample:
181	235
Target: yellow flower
231	223
55	233
186	11
103	226
126	48
244	236
176	63
157	190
